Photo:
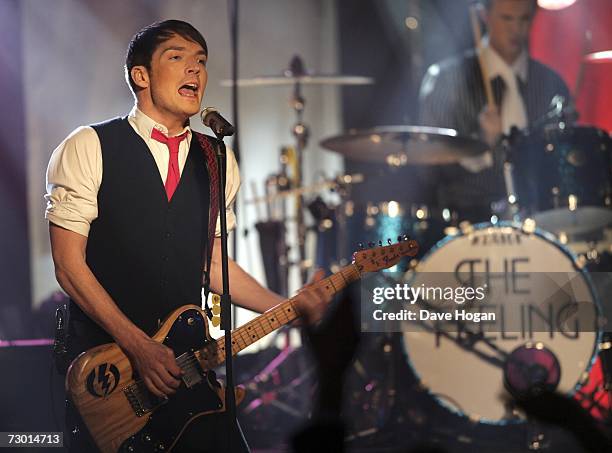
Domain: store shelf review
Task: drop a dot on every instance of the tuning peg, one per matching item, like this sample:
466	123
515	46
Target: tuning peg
370	244
389	241
360	245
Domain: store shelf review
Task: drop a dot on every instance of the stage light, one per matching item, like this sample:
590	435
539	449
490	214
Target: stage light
604	56
555	4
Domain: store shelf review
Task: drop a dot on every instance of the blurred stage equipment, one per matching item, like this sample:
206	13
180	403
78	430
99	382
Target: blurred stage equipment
530	370
397	148
297	75
33	396
605	56
563	178
556	219
555	4
280	384
405	145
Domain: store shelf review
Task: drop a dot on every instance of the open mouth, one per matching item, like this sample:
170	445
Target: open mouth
189	90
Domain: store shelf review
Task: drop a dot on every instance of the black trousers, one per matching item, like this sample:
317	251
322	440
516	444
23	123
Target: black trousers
206	434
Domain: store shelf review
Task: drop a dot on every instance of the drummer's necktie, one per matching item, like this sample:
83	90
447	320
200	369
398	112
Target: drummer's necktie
173	143
512	106
498	86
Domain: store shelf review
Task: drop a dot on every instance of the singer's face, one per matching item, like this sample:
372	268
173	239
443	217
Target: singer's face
178	79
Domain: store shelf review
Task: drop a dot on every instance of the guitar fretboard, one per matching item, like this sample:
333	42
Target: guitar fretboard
213	354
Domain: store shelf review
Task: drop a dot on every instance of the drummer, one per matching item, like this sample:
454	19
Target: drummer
452	95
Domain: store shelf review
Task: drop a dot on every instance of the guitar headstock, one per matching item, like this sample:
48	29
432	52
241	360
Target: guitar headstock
383	257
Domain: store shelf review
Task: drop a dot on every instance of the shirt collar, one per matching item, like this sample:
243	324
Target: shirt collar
145	124
497	66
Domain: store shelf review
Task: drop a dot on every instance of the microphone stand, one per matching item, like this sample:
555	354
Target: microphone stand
226	298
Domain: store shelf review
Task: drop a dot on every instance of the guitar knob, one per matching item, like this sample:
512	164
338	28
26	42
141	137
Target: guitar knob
360	245
389	241
399	239
380	243
160	447
370	244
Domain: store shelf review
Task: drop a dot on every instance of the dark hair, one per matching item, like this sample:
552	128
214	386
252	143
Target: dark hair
146	41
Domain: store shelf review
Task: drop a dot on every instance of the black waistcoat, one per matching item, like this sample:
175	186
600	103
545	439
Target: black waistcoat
145	251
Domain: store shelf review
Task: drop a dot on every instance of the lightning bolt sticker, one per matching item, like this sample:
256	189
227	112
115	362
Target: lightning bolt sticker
103	380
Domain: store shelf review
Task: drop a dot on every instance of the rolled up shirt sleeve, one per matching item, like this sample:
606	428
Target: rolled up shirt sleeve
232	184
74	175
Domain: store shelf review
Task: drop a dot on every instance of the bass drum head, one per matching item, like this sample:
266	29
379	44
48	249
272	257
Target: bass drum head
464	380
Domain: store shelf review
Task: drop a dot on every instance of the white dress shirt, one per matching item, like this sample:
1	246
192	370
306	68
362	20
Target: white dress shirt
74	174
513	111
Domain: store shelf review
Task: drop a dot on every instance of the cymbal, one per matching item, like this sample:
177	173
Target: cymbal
405	145
288	78
604	56
296	73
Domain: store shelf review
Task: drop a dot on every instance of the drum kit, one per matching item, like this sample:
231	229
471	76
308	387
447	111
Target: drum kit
556	218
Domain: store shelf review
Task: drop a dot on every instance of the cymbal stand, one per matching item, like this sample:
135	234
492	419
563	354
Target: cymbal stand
507	145
300	132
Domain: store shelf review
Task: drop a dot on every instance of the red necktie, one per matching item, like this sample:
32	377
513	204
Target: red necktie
173	143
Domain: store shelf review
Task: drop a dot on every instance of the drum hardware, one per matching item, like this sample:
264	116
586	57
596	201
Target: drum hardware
466	227
562	112
372	386
338	184
322	214
508	208
528	226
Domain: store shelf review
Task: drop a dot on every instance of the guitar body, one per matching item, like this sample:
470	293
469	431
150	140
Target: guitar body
120	414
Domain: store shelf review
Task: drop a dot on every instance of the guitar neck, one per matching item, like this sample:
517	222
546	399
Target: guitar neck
213	354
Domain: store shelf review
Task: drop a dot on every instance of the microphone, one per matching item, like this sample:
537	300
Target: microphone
219	125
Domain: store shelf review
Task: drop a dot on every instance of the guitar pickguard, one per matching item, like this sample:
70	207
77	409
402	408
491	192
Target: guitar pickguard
187	334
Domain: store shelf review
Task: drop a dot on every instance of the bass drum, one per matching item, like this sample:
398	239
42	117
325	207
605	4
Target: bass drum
467	376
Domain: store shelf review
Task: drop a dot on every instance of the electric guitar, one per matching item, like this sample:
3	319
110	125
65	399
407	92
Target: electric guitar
123	416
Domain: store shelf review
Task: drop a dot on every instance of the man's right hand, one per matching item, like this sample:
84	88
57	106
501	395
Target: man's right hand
156	366
490	125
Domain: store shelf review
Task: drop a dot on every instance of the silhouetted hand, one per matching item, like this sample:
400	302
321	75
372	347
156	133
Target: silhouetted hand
333	344
566	413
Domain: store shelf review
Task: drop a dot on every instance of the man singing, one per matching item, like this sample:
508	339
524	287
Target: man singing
133	222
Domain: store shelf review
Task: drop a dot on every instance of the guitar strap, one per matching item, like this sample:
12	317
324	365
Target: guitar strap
213	211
